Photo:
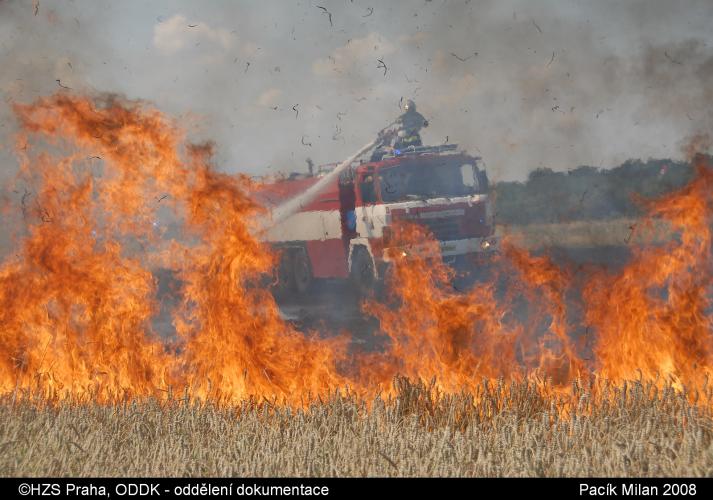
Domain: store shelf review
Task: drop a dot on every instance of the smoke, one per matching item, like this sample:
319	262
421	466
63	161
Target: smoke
524	84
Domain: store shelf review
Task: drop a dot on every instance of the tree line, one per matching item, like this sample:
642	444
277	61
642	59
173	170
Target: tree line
587	193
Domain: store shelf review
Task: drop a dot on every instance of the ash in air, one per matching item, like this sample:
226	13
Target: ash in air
525	84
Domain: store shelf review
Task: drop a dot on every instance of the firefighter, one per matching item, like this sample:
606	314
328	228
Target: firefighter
410	124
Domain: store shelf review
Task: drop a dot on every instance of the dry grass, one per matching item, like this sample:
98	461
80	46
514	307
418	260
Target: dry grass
585	234
505	430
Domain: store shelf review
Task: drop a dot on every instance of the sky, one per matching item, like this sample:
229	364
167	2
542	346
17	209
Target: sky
524	84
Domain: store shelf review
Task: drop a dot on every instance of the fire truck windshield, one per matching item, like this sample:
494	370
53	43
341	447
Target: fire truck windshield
423	180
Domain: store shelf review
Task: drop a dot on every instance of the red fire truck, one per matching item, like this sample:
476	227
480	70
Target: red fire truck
344	230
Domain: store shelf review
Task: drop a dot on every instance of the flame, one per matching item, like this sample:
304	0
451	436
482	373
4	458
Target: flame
653	318
78	296
459	339
75	307
77	303
236	344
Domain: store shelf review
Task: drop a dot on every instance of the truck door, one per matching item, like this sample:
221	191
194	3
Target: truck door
347	210
367	199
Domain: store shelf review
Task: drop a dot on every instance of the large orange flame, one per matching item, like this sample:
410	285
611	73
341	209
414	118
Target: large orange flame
461	338
236	343
75	307
77	303
652	319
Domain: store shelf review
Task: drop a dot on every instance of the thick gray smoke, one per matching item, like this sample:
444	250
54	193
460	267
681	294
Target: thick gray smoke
523	83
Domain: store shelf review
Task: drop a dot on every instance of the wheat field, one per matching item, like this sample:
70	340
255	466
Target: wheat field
504	430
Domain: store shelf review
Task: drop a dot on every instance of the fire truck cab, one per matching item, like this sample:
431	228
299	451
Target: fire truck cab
344	231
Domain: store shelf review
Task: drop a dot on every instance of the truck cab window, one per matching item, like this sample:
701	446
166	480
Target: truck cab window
368	190
468	175
429	179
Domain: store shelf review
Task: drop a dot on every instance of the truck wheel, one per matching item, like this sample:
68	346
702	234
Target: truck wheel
362	271
301	271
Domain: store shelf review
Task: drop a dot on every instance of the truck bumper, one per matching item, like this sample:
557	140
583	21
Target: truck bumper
452	248
471	245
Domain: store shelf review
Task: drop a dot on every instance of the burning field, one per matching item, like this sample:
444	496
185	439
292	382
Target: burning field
569	371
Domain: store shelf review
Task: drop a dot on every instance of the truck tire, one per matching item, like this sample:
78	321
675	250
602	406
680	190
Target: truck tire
362	271
301	271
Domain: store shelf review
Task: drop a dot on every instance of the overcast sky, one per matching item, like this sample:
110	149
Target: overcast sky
522	83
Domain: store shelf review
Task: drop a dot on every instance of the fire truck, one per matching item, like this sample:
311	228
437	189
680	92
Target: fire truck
343	232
